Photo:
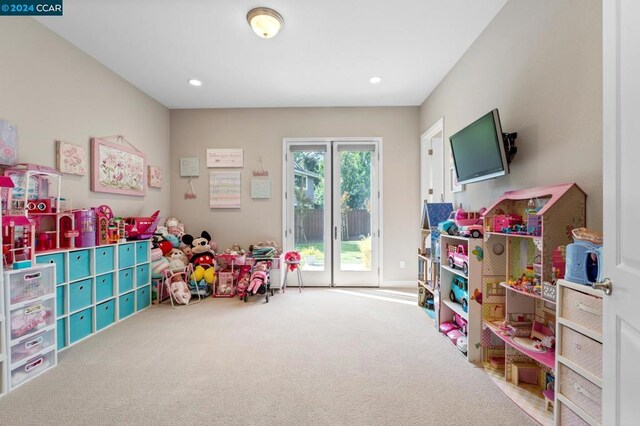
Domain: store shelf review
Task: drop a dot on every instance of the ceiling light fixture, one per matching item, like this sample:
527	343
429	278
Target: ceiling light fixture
375	80
265	22
195	82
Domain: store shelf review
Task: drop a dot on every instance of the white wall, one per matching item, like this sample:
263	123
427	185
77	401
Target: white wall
540	63
260	132
53	91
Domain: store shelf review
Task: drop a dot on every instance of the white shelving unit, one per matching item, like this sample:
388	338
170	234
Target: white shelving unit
448	307
3	349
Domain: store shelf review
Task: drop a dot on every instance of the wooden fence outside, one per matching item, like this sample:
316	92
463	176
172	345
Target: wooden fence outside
355	225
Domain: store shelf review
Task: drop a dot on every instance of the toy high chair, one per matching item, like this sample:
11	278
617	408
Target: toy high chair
182	275
292	259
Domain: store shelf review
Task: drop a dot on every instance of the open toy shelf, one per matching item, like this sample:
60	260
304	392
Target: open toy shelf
525	235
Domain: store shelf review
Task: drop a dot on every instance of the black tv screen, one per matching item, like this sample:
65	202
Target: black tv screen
478	150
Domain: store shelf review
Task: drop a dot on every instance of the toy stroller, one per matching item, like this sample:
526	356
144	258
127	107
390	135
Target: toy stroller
256	283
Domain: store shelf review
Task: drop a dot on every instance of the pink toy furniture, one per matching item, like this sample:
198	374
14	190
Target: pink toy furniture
525	373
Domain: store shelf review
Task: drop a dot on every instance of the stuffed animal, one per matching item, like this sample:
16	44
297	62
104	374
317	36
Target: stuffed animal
177	259
160	242
159	266
235	250
180	291
259	277
202	258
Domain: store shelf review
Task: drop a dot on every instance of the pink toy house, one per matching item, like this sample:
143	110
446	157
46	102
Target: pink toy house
18	234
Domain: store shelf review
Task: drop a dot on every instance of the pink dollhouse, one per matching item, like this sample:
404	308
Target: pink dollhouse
35	195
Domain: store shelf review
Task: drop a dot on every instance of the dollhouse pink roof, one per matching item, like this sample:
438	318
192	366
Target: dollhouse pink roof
555	192
6	182
15	220
34	168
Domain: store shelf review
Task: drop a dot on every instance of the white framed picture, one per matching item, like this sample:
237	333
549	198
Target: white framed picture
189	167
224	190
225	158
260	188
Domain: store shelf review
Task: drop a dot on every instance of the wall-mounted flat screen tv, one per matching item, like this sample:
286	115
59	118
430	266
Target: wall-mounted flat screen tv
478	150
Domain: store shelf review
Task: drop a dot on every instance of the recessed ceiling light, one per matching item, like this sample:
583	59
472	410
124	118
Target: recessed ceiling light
195	82
375	80
265	22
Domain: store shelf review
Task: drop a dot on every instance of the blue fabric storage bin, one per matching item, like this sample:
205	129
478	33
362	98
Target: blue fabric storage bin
79	264
105	259
58	260
126	303
80	325
143	298
104	287
60	300
79	295
126	255
105	314
142	275
125	280
61	330
142	252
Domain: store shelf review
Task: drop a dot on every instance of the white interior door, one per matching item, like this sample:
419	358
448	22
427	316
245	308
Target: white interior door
621	95
355	214
331	210
432	164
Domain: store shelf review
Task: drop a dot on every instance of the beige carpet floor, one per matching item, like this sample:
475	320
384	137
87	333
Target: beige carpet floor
323	357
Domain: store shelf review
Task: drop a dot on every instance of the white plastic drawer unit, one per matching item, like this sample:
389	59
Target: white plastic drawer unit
32	346
27	284
32	367
31	318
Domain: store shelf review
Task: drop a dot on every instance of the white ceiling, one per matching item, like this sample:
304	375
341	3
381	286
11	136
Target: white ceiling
324	55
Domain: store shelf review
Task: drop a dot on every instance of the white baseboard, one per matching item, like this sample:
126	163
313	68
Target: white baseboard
400	284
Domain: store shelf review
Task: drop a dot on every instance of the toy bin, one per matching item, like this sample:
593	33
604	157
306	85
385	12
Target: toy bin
142	252
79	264
79	295
32	368
80	325
125	280
54	259
126	303
33	345
581	392
61	329
125	255
568	417
30	283
105	259
32	318
143	298
583	351
105	314
142	275
104	287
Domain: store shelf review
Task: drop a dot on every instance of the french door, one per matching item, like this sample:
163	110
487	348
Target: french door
331	210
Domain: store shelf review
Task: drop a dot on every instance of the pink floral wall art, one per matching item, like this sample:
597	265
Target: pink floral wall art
155	177
8	143
71	158
117	169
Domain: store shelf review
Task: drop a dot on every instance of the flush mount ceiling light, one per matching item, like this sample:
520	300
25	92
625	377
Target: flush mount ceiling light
375	80
194	82
265	22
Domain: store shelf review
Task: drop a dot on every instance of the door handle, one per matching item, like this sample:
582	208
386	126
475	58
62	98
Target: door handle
335	232
606	286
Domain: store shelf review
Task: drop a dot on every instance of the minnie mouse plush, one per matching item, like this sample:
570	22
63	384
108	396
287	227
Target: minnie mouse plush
202	257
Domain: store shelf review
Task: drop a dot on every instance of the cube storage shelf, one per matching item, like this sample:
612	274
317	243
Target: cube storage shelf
99	286
29	336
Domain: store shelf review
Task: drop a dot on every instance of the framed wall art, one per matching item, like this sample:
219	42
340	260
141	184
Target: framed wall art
260	188
189	167
117	169
71	158
155	177
225	158
8	143
224	190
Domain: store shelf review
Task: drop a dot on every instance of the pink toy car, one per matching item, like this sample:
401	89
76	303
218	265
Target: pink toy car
463	218
458	257
473	231
506	221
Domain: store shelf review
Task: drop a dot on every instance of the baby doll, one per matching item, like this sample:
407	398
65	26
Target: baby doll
180	291
258	277
177	259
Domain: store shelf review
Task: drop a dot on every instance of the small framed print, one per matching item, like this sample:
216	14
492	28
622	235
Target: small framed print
260	188
155	177
221	158
189	167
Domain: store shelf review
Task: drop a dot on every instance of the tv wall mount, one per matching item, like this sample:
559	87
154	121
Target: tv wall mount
510	149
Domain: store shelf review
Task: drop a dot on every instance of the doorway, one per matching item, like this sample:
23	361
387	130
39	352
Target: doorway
331	209
432	173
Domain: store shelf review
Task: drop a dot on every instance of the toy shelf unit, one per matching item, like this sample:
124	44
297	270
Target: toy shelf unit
525	236
98	286
30	303
579	360
459	314
36	195
3	349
